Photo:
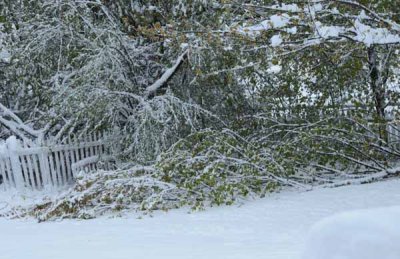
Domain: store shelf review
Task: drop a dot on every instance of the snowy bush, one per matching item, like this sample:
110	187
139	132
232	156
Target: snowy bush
106	192
218	167
327	148
156	124
204	169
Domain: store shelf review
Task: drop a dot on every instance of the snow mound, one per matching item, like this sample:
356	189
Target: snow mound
363	234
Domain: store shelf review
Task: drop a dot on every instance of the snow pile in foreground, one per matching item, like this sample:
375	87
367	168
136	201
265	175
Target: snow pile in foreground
272	228
362	234
15	204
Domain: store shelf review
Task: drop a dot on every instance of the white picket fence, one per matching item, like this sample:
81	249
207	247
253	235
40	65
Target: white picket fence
51	165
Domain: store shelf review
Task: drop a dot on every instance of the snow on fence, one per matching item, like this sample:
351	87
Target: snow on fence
50	165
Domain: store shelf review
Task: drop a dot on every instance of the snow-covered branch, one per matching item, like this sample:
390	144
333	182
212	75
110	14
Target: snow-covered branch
341	25
152	89
17	126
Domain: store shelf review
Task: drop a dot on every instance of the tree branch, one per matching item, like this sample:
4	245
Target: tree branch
168	74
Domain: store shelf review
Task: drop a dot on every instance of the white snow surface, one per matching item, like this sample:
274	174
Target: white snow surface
276	40
275	227
362	234
274	22
274	69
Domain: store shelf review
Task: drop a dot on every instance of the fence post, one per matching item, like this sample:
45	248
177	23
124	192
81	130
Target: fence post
45	168
12	147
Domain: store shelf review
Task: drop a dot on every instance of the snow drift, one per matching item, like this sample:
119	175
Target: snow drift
362	234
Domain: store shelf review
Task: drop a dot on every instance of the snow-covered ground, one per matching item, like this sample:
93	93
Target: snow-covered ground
275	227
360	234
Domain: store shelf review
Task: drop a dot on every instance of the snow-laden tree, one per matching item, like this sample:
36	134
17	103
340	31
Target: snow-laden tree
336	79
220	99
74	70
362	36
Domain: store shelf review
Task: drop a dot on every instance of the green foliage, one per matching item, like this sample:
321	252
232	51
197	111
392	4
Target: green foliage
100	193
217	167
329	146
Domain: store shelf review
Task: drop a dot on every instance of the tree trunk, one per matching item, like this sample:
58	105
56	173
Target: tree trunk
378	92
